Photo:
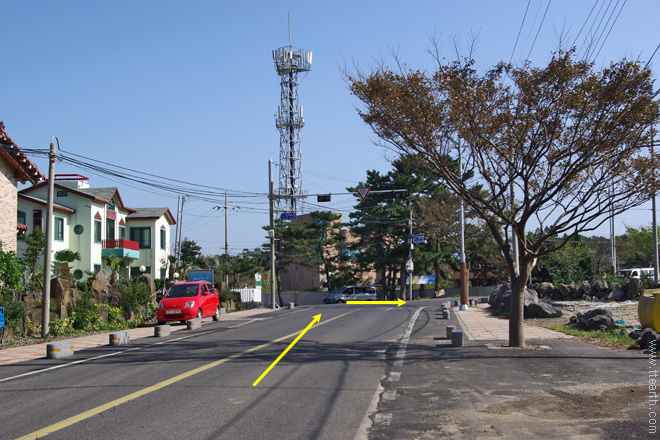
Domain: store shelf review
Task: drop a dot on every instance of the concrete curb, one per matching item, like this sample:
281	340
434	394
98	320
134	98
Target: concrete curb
59	349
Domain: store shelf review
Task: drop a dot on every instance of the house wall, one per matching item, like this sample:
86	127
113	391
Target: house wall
152	258
8	203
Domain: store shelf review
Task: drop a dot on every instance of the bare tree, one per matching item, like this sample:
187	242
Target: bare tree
570	141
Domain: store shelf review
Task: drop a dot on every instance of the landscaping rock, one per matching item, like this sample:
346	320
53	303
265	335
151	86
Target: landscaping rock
565	291
634	288
542	310
617	295
101	283
596	319
601	322
544	290
500	299
635	334
648	338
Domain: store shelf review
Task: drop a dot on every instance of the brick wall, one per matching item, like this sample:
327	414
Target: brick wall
8	197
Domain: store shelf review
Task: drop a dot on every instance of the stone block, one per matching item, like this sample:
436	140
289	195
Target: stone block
59	349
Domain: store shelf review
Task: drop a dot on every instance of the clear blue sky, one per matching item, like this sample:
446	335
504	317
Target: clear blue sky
188	90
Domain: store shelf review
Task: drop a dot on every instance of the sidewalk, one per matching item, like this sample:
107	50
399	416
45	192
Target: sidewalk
479	325
29	352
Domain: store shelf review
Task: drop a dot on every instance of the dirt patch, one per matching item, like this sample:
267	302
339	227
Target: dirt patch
626	311
561	405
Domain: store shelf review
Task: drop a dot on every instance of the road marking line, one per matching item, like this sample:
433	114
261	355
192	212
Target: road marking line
143	392
81	361
401	354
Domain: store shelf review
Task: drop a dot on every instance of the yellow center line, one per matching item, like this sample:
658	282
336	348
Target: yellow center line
143	392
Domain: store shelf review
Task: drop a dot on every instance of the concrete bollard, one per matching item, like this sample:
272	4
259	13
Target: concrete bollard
450	330
457	339
291	305
59	349
445	314
120	338
161	330
194	324
456	304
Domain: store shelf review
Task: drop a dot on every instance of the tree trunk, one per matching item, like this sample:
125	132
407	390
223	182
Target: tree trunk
516	328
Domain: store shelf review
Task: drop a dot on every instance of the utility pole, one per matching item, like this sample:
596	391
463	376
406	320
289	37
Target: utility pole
612	242
178	253
462	266
226	244
45	301
410	253
271	233
656	275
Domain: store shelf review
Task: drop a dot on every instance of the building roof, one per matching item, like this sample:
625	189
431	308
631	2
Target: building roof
43	203
25	171
151	213
102	195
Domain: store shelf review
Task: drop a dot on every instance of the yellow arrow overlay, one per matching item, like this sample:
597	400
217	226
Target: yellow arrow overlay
399	302
316	319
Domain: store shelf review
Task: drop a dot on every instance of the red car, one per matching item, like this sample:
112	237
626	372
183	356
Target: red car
186	301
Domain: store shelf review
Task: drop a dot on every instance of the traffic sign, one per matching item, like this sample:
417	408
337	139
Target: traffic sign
419	239
409	266
363	191
288	216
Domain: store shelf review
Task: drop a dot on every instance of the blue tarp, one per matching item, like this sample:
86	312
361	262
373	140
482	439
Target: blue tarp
2	317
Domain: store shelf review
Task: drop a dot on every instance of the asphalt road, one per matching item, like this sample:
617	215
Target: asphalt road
199	385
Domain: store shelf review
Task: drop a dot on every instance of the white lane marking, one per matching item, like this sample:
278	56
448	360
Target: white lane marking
389	395
362	433
366	420
395	376
401	354
30	373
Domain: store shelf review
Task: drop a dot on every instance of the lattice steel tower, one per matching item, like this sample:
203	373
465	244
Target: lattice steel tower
289	62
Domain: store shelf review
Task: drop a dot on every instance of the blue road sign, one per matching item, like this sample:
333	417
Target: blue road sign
418	239
288	216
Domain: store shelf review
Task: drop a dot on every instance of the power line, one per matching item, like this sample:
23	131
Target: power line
519	31
540	26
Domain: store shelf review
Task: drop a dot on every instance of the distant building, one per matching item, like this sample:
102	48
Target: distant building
95	223
14	167
296	277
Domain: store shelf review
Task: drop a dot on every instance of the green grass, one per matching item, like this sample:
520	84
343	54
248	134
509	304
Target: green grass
610	336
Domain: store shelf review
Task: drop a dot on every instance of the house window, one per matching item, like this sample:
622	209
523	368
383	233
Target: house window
97	268
21	218
97	231
62	193
122	232
109	229
36	219
59	229
142	236
162	238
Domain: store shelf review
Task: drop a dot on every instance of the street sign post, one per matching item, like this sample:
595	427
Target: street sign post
419	239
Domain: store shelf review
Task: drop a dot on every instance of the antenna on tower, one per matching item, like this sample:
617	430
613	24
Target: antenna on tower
289	62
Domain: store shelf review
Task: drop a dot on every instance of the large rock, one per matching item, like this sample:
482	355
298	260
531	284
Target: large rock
542	310
649	339
617	295
101	284
544	290
598	287
500	299
596	319
61	297
633	288
565	291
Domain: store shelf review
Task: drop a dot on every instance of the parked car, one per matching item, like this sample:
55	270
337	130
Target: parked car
184	301
363	293
635	273
342	294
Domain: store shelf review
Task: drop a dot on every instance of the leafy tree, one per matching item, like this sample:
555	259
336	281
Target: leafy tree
117	264
635	247
570	264
61	265
191	253
600	255
572	142
11	275
36	243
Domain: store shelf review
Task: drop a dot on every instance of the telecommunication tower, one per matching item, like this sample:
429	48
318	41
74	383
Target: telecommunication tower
289	62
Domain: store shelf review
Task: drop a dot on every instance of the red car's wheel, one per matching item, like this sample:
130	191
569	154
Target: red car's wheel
199	313
216	317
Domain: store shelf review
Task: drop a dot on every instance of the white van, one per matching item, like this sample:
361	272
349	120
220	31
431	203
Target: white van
635	273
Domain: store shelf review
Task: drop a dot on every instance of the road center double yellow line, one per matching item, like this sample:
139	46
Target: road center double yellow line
143	392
